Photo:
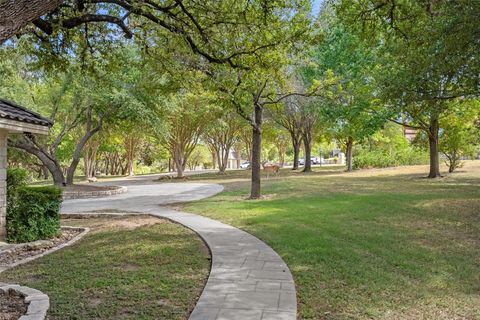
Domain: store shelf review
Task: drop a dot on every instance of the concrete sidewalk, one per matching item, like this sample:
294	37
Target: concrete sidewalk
248	280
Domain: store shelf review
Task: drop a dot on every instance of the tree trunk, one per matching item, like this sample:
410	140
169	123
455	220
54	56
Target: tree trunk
78	152
131	173
130	146
58	177
71	170
107	164
44	172
219	158
86	165
308	153
76	158
349	153
256	153
281	157
179	163
296	142
214	159
433	144
179	171
223	158
89	159
48	160
16	14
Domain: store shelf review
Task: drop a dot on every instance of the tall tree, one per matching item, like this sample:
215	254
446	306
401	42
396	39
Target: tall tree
310	124
75	112
430	57
348	109
221	135
79	100
288	116
186	119
259	82
460	135
209	30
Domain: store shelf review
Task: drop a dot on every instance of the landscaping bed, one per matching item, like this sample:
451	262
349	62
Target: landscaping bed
17	252
12	306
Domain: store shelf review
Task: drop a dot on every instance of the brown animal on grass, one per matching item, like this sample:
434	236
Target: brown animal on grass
271	168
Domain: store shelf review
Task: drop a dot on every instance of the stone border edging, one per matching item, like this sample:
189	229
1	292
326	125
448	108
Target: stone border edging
94	193
38	302
51	250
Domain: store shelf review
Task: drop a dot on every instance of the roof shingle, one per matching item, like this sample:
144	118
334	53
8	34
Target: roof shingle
10	110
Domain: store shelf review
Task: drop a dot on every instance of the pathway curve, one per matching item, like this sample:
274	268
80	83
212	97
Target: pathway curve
248	280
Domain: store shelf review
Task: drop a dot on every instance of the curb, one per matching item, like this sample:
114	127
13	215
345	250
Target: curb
38	302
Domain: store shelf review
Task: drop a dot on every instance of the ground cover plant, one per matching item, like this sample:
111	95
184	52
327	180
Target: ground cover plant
126	268
382	243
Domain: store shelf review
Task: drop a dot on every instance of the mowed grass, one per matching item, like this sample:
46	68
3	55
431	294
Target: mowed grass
378	244
126	268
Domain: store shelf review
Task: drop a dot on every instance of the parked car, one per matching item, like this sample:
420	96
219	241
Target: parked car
245	165
313	160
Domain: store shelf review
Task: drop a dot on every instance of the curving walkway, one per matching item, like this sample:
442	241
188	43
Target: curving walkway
248	280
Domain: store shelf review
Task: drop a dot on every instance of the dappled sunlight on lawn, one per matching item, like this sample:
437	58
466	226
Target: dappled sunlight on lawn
127	267
369	244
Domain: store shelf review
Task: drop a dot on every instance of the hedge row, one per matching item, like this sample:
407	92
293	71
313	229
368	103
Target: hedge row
33	213
382	159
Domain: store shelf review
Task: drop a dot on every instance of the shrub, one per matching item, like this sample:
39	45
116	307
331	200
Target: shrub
388	148
16	178
34	214
383	159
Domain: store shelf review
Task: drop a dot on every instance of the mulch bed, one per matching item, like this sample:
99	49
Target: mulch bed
12	306
31	249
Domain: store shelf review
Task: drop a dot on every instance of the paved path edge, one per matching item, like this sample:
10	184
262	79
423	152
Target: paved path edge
248	280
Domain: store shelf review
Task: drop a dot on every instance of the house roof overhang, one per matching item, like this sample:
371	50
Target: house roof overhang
17	119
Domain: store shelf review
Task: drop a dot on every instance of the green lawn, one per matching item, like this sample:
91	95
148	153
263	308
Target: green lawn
126	268
383	244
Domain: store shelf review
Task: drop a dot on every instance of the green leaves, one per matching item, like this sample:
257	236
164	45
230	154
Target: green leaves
342	67
460	134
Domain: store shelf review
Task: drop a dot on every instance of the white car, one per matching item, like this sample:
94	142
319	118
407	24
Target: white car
245	165
313	160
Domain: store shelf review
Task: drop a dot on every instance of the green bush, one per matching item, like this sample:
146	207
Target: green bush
16	178
388	148
383	159
34	214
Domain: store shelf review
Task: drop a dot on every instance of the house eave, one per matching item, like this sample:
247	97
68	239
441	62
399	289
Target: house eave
13	126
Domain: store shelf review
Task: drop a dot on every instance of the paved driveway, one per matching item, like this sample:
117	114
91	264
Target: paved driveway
143	195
